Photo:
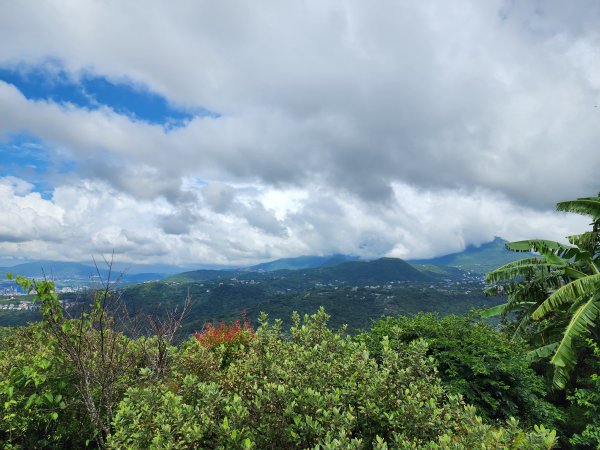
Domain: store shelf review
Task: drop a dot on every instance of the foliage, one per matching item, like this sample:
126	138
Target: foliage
37	394
279	295
473	360
588	398
560	290
227	339
82	382
88	359
317	389
213	336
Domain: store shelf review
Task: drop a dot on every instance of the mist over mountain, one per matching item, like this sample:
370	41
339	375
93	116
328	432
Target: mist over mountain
480	259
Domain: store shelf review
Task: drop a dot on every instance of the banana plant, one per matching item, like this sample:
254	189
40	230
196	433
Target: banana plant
555	296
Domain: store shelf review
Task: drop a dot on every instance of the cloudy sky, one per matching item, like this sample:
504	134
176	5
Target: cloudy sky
232	132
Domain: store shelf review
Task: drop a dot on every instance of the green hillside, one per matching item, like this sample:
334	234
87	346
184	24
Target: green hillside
380	270
353	305
353	292
202	275
302	262
383	269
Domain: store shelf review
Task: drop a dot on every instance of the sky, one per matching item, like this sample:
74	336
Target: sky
229	132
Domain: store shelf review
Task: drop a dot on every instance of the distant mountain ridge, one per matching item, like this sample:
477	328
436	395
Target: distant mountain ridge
50	269
481	259
379	270
302	262
354	292
65	271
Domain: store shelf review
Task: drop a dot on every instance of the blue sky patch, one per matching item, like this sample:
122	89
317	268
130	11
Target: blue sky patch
27	157
50	82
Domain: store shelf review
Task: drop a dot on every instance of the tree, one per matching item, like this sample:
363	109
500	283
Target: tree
556	295
97	355
474	360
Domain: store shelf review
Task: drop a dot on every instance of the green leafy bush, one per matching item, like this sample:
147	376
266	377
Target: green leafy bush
62	378
473	360
37	394
315	389
588	399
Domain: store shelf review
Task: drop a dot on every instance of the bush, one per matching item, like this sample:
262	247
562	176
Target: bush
588	399
317	389
227	339
40	406
475	361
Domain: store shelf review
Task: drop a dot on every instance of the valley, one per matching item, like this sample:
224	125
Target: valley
354	292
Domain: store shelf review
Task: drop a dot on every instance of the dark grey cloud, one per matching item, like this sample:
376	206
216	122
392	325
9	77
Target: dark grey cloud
257	216
438	95
219	196
223	199
180	222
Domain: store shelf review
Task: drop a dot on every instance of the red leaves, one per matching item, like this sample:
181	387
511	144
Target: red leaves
213	336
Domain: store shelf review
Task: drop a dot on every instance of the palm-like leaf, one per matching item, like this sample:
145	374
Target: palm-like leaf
521	268
565	358
588	241
537	245
562	286
589	206
554	252
542	352
581	287
494	311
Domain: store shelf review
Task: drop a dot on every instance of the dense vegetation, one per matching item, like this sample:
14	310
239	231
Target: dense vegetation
355	306
553	307
111	380
473	360
231	387
354	293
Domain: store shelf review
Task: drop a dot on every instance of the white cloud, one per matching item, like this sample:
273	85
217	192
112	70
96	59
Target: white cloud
87	219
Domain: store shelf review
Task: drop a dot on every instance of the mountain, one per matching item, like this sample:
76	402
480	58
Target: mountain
52	269
302	262
353	292
379	270
72	273
482	259
202	275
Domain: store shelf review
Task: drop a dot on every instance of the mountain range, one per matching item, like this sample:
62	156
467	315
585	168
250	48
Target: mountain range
477	259
352	290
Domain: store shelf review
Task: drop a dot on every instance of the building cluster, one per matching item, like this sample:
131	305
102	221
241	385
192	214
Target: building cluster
19	306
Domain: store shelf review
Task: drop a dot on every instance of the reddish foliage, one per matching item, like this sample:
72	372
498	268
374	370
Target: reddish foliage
237	333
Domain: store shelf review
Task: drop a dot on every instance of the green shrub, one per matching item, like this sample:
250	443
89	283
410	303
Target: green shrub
588	399
315	389
474	360
39	404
